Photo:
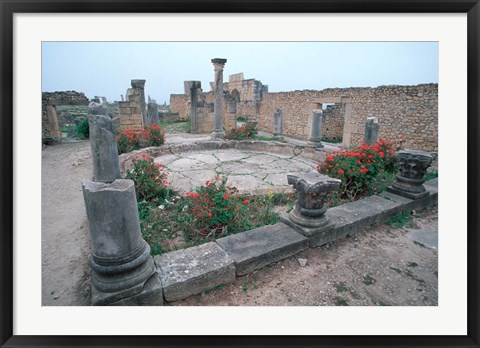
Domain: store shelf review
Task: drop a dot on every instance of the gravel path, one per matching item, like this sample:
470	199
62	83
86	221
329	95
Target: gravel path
65	239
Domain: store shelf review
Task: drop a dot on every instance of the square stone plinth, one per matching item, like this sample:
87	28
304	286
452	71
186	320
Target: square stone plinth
191	271
262	246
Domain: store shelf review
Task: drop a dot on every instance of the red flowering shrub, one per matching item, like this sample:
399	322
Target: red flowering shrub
246	131
129	139
213	206
150	181
358	168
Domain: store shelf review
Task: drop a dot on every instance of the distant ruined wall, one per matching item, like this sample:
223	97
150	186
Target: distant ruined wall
407	111
66	97
410	112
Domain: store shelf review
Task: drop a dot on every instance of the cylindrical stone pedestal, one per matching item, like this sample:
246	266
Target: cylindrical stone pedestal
218	64
413	166
121	258
314	141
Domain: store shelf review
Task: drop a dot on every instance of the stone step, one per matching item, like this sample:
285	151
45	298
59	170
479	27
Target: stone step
194	270
262	246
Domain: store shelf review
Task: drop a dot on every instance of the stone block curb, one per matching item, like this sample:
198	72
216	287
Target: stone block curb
262	246
191	271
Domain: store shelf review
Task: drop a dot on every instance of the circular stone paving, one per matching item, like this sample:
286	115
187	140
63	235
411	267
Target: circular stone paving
249	171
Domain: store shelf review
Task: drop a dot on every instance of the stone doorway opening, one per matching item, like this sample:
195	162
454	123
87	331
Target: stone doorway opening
337	115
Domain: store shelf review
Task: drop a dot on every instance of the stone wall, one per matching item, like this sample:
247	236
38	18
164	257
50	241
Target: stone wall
407	111
168	116
129	112
333	121
410	112
66	98
179	103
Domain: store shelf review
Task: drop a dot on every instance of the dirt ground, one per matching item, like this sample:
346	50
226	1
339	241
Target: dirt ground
65	239
379	266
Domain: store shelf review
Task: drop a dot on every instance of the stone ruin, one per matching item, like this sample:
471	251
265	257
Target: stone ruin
410	112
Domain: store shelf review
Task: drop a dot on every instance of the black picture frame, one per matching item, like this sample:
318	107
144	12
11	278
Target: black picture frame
10	7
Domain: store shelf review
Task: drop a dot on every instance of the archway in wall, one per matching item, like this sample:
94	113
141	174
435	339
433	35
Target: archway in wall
337	120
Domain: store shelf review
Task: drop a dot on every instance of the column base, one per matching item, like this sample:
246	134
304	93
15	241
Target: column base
314	145
411	195
149	293
316	235
217	134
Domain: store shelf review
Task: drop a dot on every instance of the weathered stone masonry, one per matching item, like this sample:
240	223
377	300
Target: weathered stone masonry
410	112
407	111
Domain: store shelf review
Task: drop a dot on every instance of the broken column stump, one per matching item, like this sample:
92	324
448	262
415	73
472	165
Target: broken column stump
413	166
371	130
278	124
308	217
314	141
123	271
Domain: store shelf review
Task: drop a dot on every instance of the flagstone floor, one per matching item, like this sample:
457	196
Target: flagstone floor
249	171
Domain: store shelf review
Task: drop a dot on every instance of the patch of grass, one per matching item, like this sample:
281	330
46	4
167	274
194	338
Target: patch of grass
340	301
176	126
369	280
341	287
245	286
399	220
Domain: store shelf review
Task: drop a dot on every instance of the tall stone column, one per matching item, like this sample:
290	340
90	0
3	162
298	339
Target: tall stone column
412	166
278	124
192	87
371	130
139	85
218	64
314	141
123	271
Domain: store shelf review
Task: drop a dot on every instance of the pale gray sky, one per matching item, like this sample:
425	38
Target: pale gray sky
106	68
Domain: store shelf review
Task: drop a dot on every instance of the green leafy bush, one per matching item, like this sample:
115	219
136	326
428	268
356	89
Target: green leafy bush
83	129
